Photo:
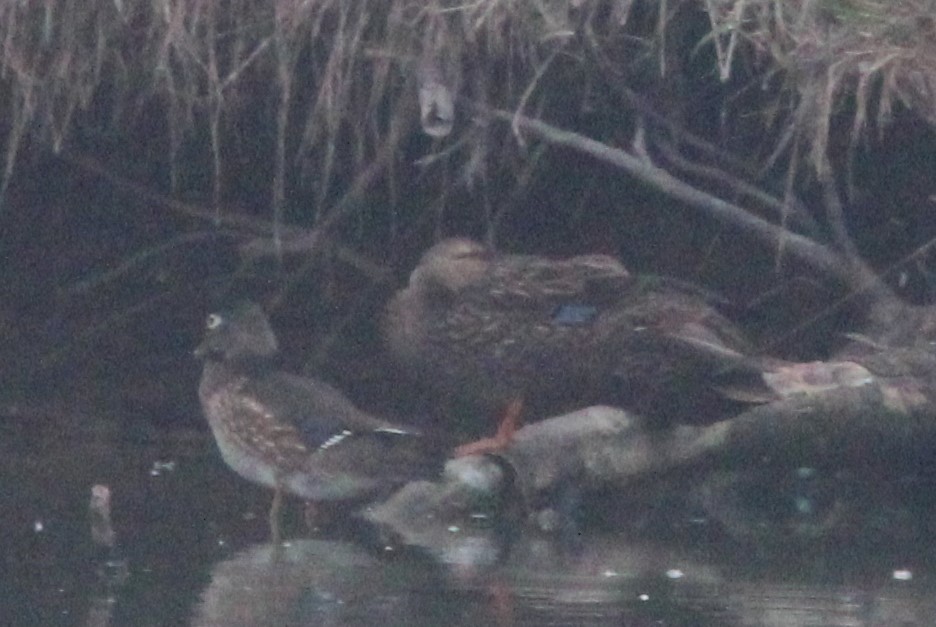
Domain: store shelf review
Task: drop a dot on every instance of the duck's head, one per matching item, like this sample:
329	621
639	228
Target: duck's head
240	332
451	265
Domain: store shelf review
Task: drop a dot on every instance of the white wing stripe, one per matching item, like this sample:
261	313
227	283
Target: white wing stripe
335	439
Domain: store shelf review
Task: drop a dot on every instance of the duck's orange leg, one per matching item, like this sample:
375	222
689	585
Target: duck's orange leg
505	431
276	533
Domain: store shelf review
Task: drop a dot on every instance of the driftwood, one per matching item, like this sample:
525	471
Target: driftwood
871	413
887	419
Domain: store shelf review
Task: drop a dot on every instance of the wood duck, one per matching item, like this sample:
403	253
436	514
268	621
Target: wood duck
500	331
292	433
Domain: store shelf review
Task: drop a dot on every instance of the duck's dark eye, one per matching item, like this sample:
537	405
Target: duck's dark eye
213	321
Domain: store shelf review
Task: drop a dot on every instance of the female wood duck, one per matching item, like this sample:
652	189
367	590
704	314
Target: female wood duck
502	331
295	434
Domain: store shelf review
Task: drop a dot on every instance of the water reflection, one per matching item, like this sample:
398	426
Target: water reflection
608	582
336	583
320	582
193	537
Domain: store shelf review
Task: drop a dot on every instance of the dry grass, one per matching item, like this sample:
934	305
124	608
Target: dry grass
340	71
338	78
865	56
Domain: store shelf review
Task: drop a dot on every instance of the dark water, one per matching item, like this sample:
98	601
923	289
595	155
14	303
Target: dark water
192	548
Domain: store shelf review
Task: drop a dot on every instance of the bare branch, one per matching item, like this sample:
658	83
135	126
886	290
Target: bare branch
858	276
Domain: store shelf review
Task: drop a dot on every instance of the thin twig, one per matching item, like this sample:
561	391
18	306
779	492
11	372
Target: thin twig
741	187
136	260
256	231
859	277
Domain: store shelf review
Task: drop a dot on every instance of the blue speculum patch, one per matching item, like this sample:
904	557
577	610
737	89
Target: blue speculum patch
575	314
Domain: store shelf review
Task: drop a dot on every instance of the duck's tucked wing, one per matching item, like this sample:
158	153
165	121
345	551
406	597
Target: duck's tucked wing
684	313
562	292
313	414
650	284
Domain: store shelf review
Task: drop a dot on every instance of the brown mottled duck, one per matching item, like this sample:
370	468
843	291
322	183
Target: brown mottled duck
514	334
295	434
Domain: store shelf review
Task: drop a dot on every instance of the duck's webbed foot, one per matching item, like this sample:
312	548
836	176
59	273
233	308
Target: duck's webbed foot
509	424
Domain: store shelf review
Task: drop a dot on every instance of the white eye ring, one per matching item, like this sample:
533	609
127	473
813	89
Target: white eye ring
213	321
